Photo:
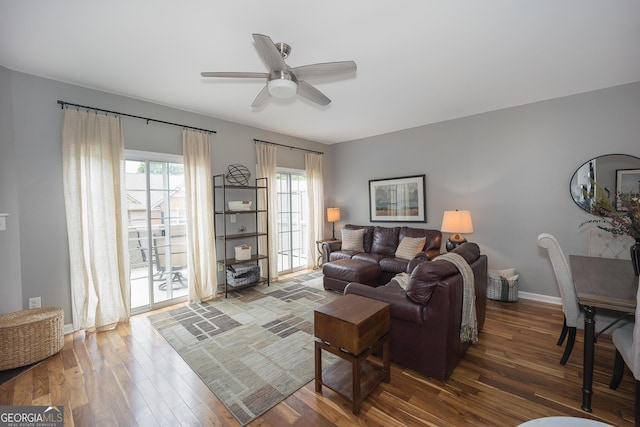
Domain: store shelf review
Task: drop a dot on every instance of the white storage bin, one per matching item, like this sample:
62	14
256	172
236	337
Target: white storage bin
243	252
502	285
240	205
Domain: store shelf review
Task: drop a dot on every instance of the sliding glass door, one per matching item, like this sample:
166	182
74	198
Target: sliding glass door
157	230
293	220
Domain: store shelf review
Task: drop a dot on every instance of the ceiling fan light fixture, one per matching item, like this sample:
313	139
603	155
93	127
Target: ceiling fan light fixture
284	81
282	88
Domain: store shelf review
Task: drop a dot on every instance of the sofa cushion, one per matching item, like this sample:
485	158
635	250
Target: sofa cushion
368	234
410	247
336	255
394	264
469	251
434	237
385	240
426	275
374	258
353	240
416	261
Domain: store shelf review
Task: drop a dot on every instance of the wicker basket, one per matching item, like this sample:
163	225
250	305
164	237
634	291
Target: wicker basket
29	336
501	286
241	275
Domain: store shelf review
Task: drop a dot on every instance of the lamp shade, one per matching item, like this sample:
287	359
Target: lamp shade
457	222
333	214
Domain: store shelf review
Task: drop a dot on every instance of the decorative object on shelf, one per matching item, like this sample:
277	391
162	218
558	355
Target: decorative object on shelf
238	175
240	205
398	199
456	222
333	216
621	217
243	252
244	274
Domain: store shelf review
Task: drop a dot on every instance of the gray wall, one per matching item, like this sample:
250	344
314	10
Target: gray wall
511	168
31	174
10	279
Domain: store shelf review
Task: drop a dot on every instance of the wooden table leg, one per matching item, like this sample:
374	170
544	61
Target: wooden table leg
587	365
355	363
386	358
318	360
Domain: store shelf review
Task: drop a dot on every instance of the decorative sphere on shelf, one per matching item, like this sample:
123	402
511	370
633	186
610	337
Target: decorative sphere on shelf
238	175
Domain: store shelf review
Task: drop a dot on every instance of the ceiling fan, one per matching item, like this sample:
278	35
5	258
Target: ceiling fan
284	81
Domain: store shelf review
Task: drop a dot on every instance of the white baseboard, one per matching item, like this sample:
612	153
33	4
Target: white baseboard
540	297
68	329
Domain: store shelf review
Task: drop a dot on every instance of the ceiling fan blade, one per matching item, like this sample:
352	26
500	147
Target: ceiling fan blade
269	53
234	74
262	98
326	69
312	94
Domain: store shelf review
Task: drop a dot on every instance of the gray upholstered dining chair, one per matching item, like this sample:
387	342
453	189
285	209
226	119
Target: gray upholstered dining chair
573	314
627	342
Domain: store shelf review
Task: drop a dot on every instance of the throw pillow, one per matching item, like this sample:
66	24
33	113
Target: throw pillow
410	247
352	240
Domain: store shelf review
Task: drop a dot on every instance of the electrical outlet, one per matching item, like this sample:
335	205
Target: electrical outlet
35	302
220	267
232	218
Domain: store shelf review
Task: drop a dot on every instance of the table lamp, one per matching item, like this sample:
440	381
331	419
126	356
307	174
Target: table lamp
456	222
333	216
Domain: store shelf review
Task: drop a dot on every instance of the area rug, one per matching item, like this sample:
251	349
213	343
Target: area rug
254	348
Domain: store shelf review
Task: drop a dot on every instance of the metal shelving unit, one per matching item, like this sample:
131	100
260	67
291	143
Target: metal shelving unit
221	193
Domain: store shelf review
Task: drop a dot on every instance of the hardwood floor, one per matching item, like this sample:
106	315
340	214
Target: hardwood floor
131	376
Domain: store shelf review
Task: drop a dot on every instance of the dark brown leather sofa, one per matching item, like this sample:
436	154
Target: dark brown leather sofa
380	244
426	318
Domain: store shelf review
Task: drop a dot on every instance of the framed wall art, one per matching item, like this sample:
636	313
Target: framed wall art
398	199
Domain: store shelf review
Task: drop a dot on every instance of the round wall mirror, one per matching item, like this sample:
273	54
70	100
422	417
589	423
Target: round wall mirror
615	173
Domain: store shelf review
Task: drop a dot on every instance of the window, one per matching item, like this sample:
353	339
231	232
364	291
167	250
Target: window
157	229
292	220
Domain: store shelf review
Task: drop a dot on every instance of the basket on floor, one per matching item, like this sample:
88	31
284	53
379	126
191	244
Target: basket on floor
502	285
28	336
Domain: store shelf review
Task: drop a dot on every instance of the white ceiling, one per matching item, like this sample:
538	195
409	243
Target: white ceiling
419	62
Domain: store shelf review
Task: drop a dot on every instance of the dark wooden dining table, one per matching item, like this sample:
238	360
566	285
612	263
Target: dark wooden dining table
601	283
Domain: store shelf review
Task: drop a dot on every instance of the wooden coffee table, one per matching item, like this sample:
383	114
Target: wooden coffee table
352	327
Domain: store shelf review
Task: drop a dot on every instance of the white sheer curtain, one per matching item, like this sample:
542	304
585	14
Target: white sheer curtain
315	189
93	180
201	249
266	154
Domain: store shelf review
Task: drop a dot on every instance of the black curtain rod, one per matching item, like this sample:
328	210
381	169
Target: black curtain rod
288	146
63	103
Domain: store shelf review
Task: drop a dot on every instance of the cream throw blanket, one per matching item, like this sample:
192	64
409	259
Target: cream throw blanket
469	327
402	279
